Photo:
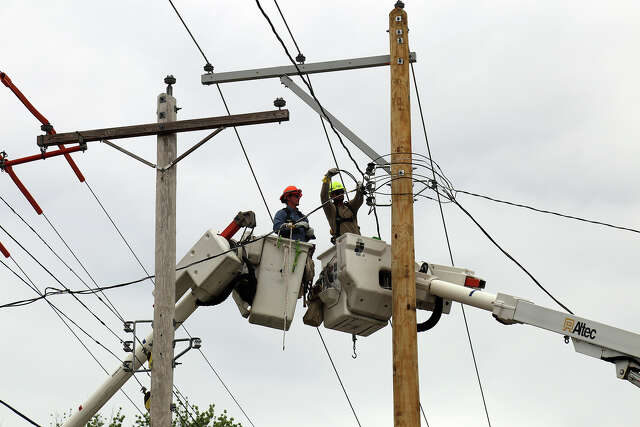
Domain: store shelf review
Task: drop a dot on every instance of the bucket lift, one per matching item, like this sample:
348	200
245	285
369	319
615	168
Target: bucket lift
211	270
356	284
264	276
278	265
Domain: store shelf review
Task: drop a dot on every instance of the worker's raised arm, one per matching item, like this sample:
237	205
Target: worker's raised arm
357	201
328	208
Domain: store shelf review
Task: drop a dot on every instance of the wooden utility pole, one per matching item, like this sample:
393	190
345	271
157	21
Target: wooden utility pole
406	398
164	302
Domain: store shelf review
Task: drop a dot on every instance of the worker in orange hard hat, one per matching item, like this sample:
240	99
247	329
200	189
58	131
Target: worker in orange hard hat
289	222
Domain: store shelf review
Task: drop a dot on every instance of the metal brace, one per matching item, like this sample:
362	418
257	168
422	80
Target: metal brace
130	346
194	343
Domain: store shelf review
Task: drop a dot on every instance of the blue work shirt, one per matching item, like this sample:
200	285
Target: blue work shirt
290	215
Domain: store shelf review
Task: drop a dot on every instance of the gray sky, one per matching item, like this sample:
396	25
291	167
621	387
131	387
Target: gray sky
532	102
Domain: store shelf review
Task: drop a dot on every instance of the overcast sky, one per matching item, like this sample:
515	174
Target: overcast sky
529	101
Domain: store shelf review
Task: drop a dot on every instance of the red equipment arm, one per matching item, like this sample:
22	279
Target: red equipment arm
8	83
4	251
23	189
28	159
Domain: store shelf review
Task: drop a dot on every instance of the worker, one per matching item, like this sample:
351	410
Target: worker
342	216
289	221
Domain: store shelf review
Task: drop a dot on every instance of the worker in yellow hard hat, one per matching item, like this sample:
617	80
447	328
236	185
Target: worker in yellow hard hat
342	216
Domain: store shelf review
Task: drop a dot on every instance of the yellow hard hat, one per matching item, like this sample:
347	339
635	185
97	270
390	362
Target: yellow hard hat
336	186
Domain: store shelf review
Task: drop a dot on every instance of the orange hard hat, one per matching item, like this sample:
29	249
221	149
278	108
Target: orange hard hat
292	189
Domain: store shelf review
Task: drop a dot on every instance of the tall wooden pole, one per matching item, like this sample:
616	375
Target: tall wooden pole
164	302
406	399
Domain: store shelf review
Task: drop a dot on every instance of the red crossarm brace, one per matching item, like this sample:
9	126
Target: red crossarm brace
28	159
23	189
4	251
49	129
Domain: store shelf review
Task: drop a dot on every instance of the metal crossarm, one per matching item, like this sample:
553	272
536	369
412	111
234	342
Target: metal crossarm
312	68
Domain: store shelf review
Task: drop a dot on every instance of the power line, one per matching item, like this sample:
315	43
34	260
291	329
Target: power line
511	258
308	84
446	233
20	413
189	31
150	278
59	282
60	315
55	253
132	282
246	156
209	68
301	57
112	308
338	375
117	229
548	212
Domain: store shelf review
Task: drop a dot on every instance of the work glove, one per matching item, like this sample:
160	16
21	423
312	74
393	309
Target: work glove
286	226
310	234
302	224
360	188
333	171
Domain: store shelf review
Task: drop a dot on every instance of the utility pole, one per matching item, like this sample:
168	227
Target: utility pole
406	396
164	301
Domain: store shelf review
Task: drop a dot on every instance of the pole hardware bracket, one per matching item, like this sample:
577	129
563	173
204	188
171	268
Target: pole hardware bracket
194	343
129	346
3	159
47	128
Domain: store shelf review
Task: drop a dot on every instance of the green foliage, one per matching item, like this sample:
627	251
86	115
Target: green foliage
193	418
181	418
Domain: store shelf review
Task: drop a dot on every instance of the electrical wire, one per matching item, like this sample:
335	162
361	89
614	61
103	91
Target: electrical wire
308	84
511	257
446	233
301	59
56	291
288	29
189	31
60	315
54	252
224	101
59	282
150	278
110	306
20	414
548	212
338	375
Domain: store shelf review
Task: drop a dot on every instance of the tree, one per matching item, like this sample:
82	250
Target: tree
185	416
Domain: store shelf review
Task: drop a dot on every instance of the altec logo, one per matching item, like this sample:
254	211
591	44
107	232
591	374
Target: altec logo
579	328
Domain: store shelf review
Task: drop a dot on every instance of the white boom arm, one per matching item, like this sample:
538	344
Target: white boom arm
591	338
205	280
